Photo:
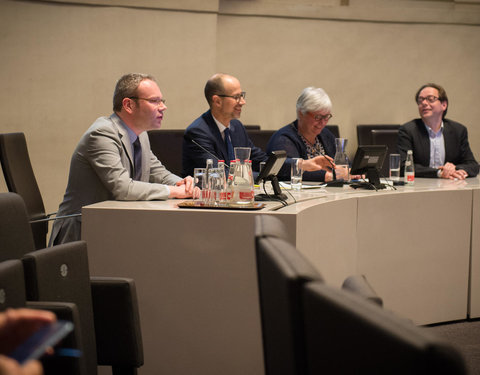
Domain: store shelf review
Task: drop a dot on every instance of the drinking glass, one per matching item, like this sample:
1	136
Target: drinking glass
296	173
395	167
200	188
242	153
216	185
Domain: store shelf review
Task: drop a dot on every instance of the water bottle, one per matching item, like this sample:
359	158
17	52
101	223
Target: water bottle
206	192
409	172
223	194
231	173
243	193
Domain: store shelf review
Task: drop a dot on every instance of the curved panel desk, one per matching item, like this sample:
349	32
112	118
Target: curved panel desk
196	275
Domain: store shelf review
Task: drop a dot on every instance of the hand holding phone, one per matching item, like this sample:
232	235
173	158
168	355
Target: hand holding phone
36	345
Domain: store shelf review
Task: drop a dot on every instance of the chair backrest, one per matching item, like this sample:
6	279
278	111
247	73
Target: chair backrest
345	334
364	132
389	138
251	127
334	129
20	179
282	271
260	138
166	145
61	274
15	232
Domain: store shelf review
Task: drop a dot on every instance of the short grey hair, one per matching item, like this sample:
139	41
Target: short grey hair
313	99
126	87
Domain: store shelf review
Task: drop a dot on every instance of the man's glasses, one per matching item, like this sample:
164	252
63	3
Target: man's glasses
154	101
237	97
322	117
429	98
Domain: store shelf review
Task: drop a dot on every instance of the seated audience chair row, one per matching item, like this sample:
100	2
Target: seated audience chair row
311	328
103	310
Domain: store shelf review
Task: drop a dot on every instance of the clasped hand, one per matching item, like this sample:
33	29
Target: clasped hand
449	171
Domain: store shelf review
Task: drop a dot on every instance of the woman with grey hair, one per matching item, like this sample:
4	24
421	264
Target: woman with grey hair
307	137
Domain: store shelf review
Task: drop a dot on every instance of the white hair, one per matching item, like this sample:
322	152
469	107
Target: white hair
313	99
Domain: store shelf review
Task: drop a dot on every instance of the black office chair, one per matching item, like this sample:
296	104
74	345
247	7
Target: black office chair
61	274
347	335
282	272
364	132
334	129
260	138
166	145
387	137
13	295
20	179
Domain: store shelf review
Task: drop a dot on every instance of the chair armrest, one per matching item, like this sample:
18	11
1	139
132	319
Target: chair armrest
359	285
117	322
60	364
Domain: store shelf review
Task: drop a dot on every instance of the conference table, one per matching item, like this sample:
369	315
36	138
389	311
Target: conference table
196	277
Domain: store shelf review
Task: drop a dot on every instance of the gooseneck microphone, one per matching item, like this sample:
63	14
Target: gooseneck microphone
188	138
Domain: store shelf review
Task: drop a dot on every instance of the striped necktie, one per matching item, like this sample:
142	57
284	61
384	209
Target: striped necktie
137	158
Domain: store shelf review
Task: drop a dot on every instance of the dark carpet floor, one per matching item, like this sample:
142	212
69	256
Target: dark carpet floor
465	336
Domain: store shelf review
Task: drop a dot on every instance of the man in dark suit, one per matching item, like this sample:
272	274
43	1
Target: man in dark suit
440	146
218	127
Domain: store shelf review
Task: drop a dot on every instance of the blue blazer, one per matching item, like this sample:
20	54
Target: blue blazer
288	139
413	136
204	131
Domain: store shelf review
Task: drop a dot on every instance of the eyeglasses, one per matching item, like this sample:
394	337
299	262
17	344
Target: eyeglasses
237	97
429	98
154	101
322	117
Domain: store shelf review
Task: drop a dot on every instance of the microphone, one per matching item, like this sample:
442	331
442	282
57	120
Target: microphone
187	137
190	139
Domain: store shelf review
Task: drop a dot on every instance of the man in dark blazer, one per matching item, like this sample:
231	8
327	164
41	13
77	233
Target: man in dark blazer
440	146
113	160
226	99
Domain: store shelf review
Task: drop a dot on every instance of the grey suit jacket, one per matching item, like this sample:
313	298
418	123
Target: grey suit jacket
101	169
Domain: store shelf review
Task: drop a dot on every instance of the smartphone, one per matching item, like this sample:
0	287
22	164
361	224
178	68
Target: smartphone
36	345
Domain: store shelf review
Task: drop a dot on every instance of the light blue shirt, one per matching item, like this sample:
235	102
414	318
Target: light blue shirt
437	147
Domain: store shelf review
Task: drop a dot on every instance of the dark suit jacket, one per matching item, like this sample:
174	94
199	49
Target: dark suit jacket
287	139
413	136
204	131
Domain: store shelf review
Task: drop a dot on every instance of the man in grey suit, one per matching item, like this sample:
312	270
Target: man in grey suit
113	160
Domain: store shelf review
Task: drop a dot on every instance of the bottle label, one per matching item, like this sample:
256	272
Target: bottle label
410	177
246	194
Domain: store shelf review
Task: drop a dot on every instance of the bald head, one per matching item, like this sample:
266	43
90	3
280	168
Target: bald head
216	85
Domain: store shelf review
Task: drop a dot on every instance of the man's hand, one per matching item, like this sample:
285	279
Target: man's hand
182	189
449	171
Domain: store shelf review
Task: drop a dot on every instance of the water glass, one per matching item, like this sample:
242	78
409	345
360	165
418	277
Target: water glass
216	185
200	187
242	153
296	173
395	167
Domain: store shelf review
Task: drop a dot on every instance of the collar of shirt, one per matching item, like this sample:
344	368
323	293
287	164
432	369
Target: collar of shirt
131	134
431	133
221	127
